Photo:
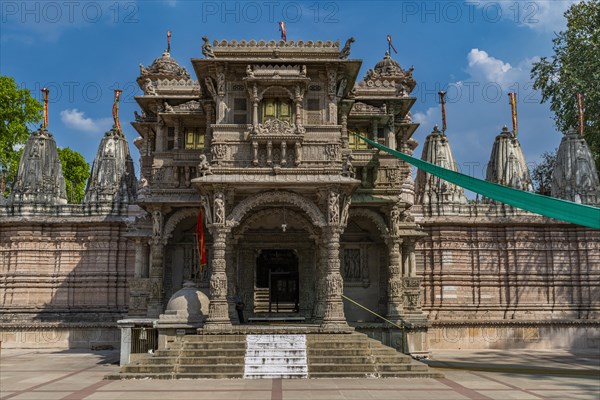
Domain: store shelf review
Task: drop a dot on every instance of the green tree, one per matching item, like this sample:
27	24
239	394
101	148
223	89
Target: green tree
76	172
17	110
541	175
574	68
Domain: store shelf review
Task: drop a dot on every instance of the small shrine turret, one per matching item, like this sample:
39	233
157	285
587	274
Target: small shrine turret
574	176
113	177
40	178
507	165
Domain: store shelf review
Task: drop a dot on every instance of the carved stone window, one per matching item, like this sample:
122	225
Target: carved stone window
170	138
276	108
194	138
240	111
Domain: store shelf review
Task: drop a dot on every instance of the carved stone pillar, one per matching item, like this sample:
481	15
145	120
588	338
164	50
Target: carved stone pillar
139	258
283	161
218	313
333	318
160	137
319	309
395	280
269	153
374	127
209	120
255	153
298	148
155	300
412	263
344	131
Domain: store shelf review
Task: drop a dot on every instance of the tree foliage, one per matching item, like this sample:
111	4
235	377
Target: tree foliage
541	175
17	109
574	68
76	172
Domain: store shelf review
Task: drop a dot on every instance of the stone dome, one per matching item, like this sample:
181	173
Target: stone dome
388	66
164	67
189	303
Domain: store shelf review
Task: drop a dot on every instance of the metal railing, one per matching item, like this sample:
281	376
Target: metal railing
144	340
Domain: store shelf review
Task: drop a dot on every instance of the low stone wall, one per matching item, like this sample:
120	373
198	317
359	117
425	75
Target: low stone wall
61	336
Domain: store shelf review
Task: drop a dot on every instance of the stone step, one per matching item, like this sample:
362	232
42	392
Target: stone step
392	359
402	367
207	375
213	368
281	360
340	359
214	338
213	345
209	360
342	374
366	368
337	352
148	368
289	352
213	353
338	345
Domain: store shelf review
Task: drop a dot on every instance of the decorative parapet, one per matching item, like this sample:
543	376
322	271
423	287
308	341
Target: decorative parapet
178	86
261	44
276	49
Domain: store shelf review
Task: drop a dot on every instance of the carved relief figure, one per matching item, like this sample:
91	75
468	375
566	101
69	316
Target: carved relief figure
207	209
157	223
204	166
334	208
149	89
168	108
395	221
342	87
249	71
207	50
345	210
221	83
345	52
219	209
348	168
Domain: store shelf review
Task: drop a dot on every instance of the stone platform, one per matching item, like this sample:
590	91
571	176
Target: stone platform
352	355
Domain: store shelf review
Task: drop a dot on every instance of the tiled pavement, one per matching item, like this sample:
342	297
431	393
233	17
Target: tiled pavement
60	374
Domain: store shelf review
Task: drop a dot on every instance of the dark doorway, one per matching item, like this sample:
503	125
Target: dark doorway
277	273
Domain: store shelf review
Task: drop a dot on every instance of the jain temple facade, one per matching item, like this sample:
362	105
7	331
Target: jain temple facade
306	224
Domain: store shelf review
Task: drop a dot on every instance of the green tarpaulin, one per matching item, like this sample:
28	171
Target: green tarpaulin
563	210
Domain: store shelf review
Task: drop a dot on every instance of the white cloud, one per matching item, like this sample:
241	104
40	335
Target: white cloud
429	118
75	119
171	3
484	68
541	15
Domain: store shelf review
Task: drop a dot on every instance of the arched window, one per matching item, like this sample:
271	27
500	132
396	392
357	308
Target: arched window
276	108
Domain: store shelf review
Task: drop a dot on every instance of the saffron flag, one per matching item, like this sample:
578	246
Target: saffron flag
200	238
563	210
168	41
283	31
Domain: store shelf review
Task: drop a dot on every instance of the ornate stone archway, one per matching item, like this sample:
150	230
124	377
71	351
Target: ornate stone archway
276	196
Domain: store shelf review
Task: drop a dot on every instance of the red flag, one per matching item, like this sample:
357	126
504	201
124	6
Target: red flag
200	237
168	41
580	115
283	31
391	46
45	120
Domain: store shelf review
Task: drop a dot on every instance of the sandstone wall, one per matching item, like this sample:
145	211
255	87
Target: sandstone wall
496	277
63	281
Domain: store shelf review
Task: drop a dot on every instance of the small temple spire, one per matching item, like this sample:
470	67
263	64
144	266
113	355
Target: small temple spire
512	99
443	103
507	165
45	92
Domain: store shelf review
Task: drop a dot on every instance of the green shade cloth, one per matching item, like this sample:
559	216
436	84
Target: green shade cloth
563	210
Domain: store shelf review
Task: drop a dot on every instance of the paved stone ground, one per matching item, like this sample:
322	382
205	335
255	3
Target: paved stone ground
70	374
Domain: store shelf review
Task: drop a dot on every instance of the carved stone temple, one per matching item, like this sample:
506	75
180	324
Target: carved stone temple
306	224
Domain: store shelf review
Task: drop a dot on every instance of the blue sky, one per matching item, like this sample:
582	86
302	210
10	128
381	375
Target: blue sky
477	50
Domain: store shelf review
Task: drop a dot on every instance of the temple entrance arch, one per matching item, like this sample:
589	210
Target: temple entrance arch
276	262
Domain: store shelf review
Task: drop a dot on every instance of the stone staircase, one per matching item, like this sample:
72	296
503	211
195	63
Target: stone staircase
273	356
261	303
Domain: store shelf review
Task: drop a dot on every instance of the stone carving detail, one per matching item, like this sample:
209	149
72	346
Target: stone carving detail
374	217
275	127
219	151
207	209
395	222
332	151
354	265
207	50
190	106
333	208
219	208
204	167
347	168
345	52
345	213
261	199
210	86
261	44
157	224
149	89
165	66
218	284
